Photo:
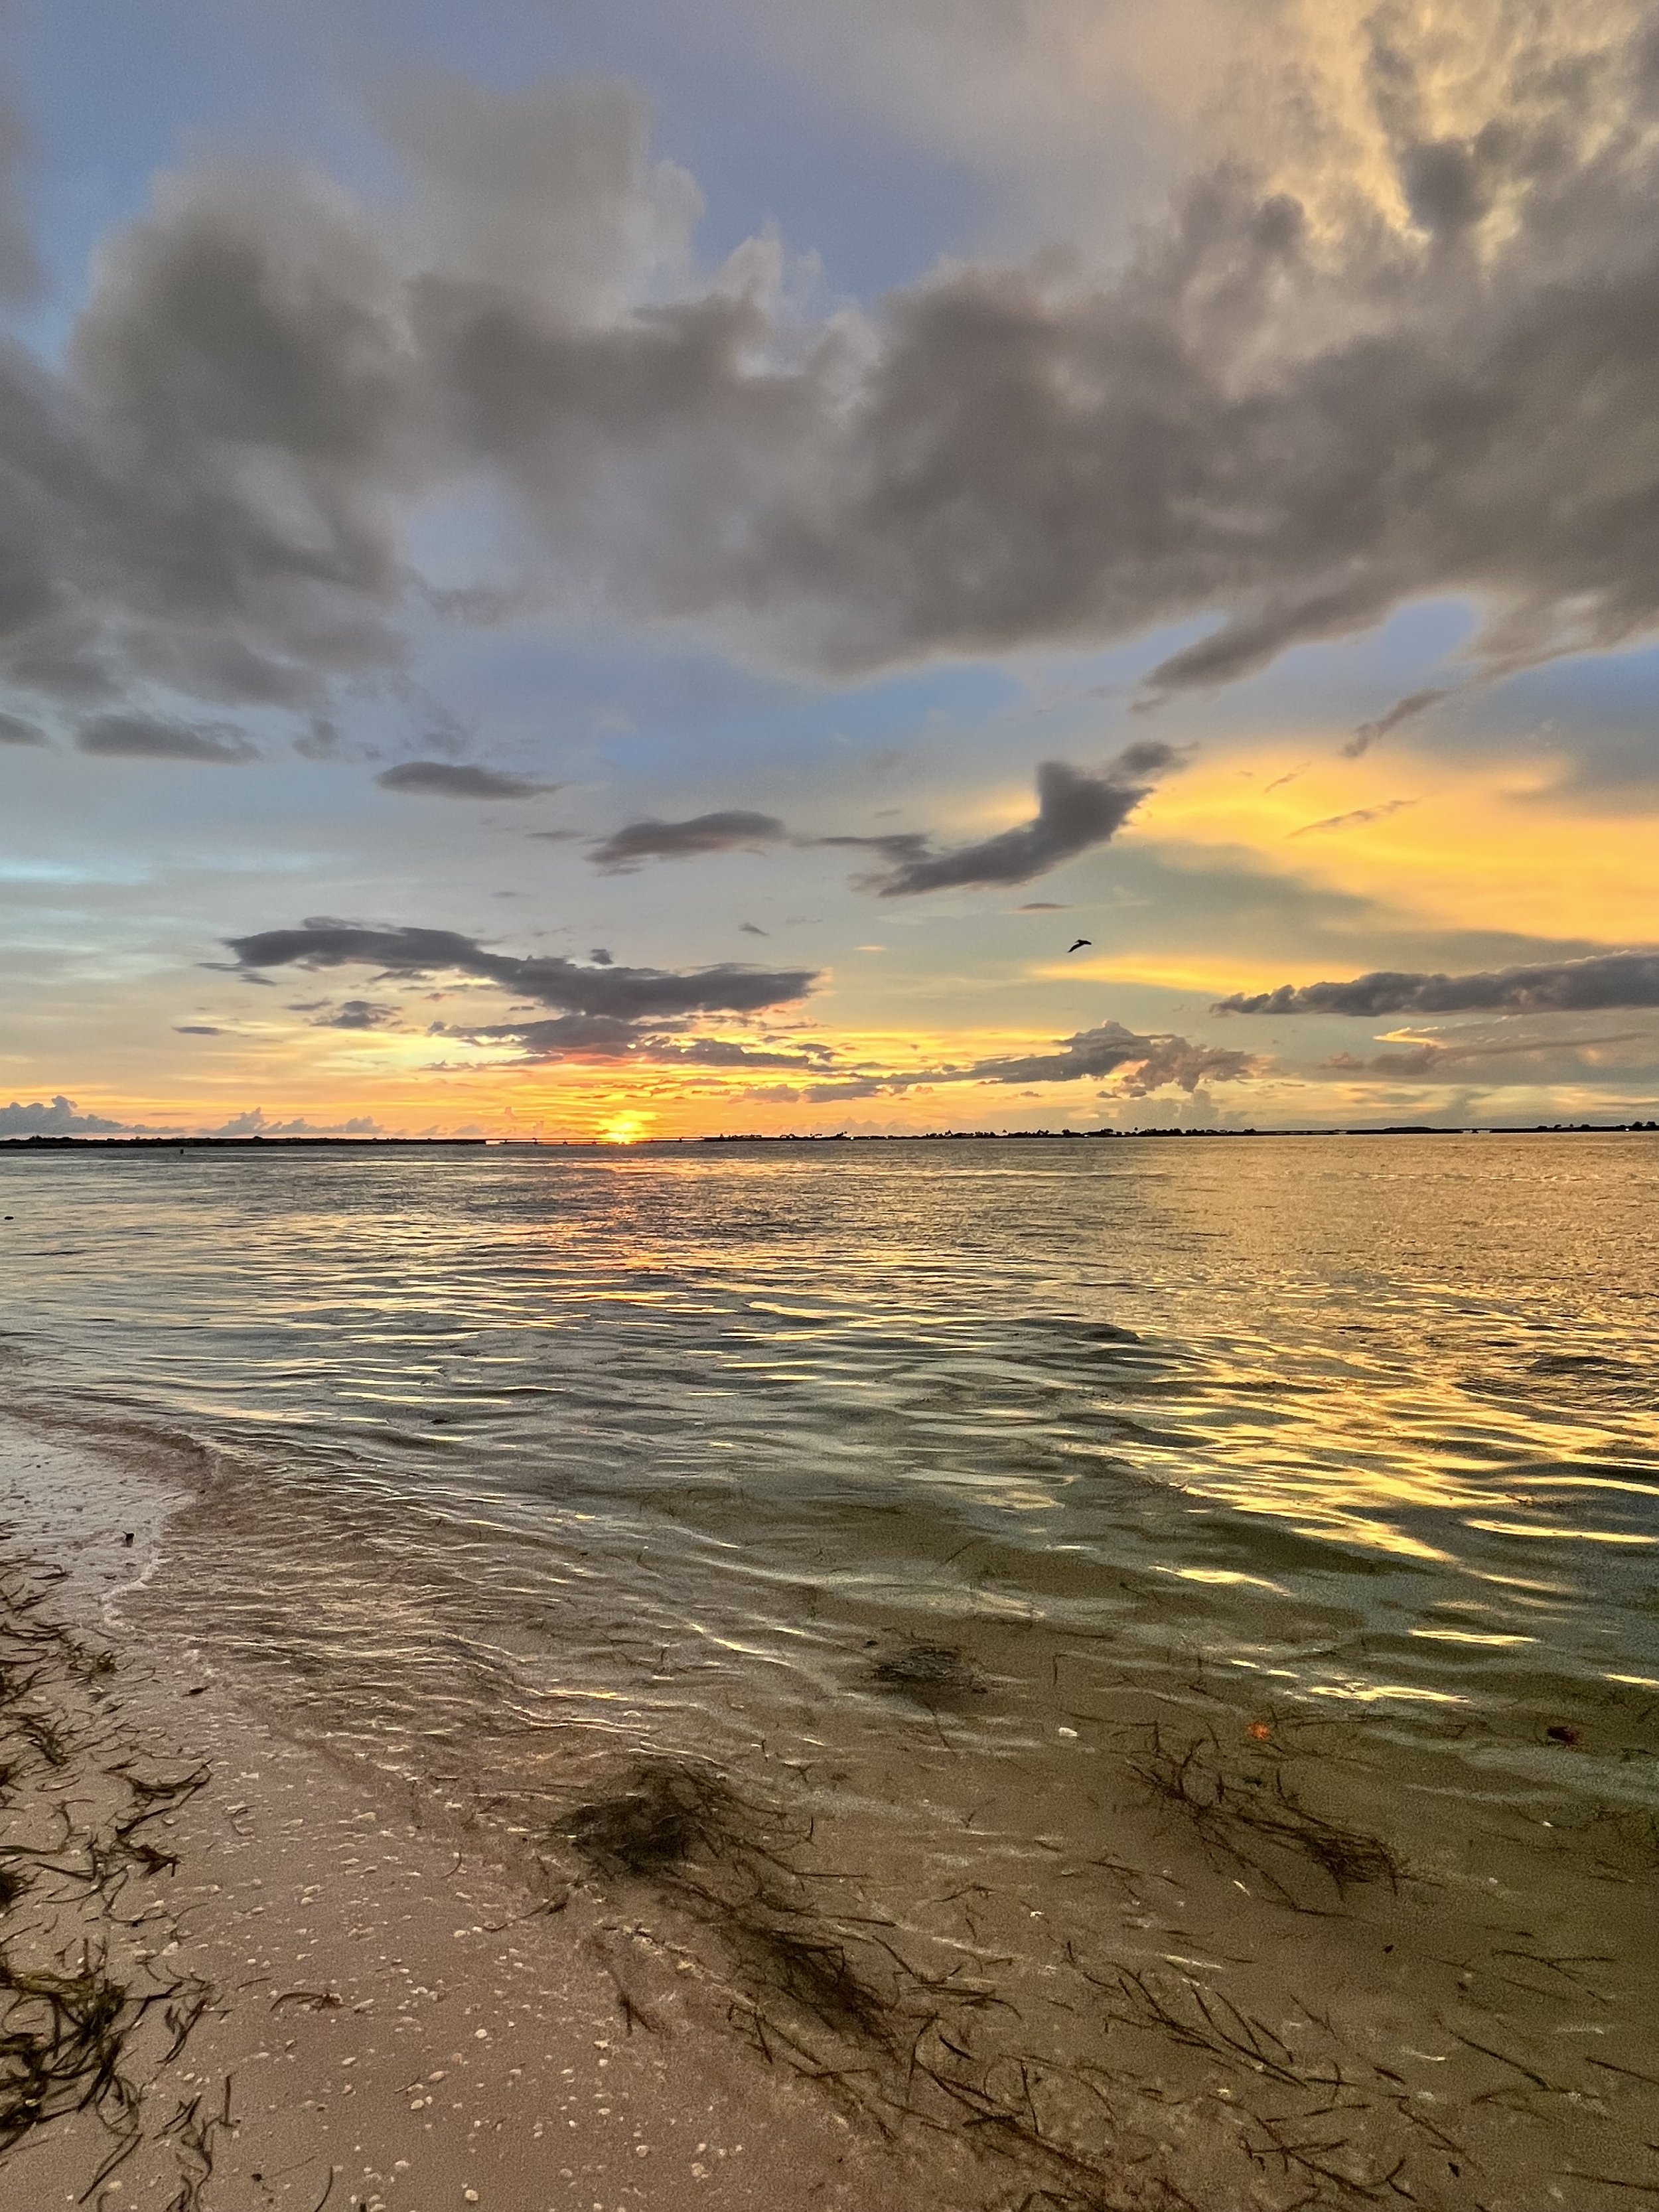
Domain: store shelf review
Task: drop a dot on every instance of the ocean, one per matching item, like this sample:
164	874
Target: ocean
1146	1651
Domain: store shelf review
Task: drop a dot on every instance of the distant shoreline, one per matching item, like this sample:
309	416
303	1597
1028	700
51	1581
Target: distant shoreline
56	1144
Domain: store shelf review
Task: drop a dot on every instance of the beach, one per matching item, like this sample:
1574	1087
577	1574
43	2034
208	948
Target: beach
274	1985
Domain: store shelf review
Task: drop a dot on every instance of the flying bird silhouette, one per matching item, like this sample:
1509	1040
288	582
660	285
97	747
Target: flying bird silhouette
1078	946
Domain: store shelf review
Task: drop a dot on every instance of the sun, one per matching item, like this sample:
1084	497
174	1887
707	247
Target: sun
623	1129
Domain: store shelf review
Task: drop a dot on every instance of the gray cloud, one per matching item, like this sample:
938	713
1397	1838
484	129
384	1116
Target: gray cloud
457	780
20	270
628	994
606	1037
16	731
1604	980
1403	710
1075	810
549	192
1287	427
731	830
895	845
1154	1063
255	1122
1354	819
59	1119
1433	1062
1158	1061
356	1014
148	736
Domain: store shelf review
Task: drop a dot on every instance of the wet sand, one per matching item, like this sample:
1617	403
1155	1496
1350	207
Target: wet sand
250	1981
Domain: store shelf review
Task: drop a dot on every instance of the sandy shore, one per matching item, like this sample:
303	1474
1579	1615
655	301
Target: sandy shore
236	1976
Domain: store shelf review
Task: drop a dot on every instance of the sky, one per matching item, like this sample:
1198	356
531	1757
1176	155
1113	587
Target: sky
636	570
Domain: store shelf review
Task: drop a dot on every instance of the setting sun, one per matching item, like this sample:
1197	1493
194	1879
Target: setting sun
623	1129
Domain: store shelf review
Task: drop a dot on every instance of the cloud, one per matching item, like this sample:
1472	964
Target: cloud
59	1119
549	191
609	1037
1433	1062
145	736
1403	710
732	830
16	731
20	270
255	1122
1604	980
451	779
196	1029
1353	820
630	995
1347	366
355	1014
1157	1060
1144	1064
1075	810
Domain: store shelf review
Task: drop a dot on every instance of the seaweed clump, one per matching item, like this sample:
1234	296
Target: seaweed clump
671	1811
933	1674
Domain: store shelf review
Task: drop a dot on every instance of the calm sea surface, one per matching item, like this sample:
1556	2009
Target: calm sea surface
1062	1542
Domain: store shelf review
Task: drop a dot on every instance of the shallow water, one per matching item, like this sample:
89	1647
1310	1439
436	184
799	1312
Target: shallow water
1221	1478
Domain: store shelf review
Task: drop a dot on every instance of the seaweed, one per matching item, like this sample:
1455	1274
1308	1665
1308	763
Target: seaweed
669	1811
69	2019
832	1998
61	2042
931	1673
813	1973
1235	1817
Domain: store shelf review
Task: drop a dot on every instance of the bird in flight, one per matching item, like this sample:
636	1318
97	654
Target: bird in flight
1078	946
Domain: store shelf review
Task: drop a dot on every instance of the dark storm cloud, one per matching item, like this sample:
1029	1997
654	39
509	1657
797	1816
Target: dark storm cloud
457	780
730	830
1605	980
1286	427
148	736
628	995
16	731
1075	810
